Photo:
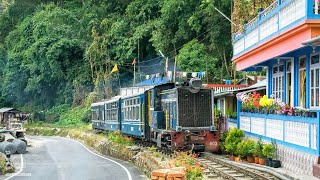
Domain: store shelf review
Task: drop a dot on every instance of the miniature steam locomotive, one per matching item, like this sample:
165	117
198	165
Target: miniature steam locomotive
177	117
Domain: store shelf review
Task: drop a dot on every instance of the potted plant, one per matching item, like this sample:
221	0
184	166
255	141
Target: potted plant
242	150
268	151
234	137
257	150
275	162
250	146
262	158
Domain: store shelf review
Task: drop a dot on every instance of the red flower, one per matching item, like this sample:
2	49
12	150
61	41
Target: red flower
256	104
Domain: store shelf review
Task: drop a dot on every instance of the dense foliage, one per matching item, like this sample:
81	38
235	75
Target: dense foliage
55	52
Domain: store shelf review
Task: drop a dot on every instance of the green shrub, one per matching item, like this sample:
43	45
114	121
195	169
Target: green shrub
268	151
234	137
241	150
222	140
53	115
245	148
119	139
250	144
75	117
258	149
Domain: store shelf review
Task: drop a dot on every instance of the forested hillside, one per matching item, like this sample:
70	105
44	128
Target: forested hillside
55	52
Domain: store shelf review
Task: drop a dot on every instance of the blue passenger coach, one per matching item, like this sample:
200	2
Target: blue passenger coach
97	115
132	119
112	113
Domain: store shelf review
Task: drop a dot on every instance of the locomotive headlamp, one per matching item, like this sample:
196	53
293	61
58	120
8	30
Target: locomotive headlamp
178	128
195	85
212	128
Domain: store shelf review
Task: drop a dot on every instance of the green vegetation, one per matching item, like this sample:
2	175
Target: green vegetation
59	53
2	165
188	160
269	151
258	149
119	139
245	148
234	137
222	140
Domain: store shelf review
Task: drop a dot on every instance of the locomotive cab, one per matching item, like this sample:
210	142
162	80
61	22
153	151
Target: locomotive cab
184	119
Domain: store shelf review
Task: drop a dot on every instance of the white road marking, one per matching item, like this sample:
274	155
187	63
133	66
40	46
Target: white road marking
127	171
21	168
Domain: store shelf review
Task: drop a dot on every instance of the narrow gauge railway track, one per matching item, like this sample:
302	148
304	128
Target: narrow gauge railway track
218	169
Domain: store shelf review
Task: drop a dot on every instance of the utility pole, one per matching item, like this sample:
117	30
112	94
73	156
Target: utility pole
139	71
174	69
207	70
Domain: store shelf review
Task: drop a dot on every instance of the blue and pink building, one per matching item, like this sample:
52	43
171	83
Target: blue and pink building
284	40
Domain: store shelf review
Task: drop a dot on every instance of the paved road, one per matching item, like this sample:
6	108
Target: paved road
59	158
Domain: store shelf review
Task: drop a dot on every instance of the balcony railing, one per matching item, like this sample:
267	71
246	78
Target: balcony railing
219	88
279	16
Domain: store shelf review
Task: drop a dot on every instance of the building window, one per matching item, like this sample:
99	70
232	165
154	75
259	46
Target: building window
277	81
302	82
314	81
289	83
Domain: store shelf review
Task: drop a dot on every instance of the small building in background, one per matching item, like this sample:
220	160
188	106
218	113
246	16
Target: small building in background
10	116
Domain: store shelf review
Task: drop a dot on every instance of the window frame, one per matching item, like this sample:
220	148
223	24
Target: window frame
302	69
314	67
277	87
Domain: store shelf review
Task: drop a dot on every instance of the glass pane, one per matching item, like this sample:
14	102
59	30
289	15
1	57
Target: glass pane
312	78
277	81
312	97
275	70
281	68
302	88
317	78
302	62
280	83
315	59
289	88
289	66
317	97
273	84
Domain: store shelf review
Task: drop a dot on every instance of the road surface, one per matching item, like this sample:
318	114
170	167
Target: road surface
57	158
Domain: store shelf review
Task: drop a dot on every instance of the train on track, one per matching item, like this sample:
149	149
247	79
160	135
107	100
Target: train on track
177	117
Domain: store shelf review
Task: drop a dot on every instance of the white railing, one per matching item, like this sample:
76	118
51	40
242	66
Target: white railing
220	88
260	29
294	132
133	90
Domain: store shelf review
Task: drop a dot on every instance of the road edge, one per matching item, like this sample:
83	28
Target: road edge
20	170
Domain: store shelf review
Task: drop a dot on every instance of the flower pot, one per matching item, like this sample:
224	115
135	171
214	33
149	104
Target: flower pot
276	163
262	161
250	159
256	160
269	162
237	159
231	157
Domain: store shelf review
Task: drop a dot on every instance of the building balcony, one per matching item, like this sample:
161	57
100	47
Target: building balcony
281	16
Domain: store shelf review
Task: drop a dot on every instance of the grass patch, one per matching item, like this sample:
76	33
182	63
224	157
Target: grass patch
2	164
118	138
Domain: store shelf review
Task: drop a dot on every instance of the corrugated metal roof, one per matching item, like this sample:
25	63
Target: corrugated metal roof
5	109
255	87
